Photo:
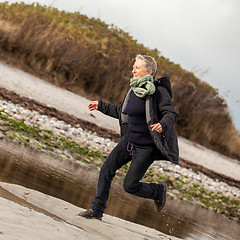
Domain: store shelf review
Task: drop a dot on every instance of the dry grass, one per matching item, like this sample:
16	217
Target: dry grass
86	55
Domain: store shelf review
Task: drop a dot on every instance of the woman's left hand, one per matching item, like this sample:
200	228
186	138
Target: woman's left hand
156	127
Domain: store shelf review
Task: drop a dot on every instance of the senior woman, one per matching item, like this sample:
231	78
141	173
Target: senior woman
146	118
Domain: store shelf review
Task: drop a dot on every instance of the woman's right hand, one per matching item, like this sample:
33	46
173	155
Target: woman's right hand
93	105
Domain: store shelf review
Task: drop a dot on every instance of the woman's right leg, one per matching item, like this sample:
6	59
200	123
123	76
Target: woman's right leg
116	159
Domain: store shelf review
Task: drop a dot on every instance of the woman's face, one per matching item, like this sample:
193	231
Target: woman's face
139	69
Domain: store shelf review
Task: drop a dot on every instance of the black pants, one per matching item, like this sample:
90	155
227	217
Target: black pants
142	158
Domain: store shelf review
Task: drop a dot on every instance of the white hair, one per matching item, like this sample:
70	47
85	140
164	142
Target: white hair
151	63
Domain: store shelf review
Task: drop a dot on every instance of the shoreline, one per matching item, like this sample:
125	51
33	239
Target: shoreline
59	167
184	184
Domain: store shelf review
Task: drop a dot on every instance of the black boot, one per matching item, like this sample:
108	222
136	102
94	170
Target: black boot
90	214
160	203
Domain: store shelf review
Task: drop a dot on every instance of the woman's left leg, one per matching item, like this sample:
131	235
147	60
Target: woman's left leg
142	158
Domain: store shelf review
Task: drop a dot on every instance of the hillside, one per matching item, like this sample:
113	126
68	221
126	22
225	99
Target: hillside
89	57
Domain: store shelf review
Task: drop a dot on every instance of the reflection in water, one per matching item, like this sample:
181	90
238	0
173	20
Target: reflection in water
178	218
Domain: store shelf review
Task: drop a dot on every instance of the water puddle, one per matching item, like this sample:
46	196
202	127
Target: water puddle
178	218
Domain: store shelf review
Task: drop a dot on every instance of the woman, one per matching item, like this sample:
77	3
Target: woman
146	118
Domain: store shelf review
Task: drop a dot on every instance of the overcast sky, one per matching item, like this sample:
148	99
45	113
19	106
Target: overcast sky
202	36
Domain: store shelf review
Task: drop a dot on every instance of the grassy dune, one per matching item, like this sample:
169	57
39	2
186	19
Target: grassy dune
91	58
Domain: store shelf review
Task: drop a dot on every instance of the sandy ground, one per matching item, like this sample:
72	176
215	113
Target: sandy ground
26	85
60	220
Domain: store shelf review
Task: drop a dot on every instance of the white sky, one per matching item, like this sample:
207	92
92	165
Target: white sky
200	35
